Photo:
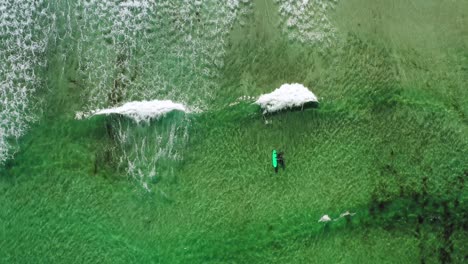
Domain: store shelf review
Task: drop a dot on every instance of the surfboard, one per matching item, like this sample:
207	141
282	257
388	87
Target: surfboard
273	159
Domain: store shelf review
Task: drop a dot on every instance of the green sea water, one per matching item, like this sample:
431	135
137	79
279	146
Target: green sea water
388	142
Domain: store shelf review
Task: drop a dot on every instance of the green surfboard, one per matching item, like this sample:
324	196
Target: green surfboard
273	159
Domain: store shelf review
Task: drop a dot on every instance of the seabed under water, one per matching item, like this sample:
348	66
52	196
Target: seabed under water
130	132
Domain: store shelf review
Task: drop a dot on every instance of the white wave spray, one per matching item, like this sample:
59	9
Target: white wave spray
25	27
150	153
140	50
139	111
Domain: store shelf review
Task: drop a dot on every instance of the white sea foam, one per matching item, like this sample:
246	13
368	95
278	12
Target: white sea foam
134	4
25	30
308	21
141	110
325	218
347	213
144	151
145	41
287	96
244	98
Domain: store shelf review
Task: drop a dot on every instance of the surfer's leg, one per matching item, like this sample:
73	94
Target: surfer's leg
276	169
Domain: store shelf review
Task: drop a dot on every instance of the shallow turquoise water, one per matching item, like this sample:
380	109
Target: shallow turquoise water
388	142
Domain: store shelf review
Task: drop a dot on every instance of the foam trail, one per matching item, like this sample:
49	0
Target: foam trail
144	41
134	4
148	153
25	29
151	49
307	21
142	110
287	96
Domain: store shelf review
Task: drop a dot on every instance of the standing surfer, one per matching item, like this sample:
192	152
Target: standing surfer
277	159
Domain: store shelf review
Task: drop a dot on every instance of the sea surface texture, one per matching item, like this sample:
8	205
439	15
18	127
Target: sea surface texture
142	131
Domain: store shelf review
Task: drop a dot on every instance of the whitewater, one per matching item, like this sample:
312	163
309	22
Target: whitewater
139	110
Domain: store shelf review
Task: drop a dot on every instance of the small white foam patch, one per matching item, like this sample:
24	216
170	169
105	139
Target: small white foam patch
134	4
140	110
287	96
325	218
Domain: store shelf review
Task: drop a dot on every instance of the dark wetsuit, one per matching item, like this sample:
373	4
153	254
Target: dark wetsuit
280	160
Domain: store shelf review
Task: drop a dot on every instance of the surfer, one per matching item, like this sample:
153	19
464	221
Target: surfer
279	160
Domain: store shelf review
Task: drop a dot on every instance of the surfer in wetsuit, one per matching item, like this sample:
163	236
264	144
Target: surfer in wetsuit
280	160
